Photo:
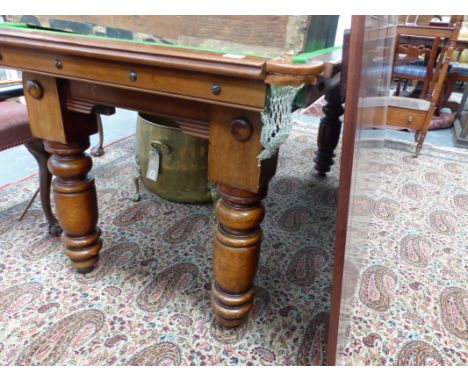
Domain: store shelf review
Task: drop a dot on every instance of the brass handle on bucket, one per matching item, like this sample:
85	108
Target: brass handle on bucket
163	148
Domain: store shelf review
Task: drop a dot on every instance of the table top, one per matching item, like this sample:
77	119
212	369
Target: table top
235	63
302	57
215	77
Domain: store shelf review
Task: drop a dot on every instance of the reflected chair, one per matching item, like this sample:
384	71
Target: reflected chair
413	113
414	63
417	49
15	131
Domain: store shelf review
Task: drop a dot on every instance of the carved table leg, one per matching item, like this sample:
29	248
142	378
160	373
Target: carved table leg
236	251
329	131
75	202
36	148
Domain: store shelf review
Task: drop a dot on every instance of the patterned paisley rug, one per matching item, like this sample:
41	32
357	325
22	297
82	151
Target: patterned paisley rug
148	301
406	300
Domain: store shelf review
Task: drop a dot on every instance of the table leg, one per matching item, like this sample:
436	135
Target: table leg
236	252
75	202
329	131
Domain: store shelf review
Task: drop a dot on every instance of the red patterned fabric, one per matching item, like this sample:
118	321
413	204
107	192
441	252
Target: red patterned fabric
14	125
442	121
315	110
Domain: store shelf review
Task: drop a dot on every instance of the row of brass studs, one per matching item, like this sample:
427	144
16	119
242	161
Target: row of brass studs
132	75
215	88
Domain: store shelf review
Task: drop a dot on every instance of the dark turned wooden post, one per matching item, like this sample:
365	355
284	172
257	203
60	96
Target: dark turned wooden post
236	252
329	131
75	202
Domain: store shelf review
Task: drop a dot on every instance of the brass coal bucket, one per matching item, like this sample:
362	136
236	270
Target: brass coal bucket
182	173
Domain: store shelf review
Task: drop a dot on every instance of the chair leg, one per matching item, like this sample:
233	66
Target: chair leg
447	90
37	150
136	181
98	151
424	130
29	204
424	89
397	92
421	139
405	86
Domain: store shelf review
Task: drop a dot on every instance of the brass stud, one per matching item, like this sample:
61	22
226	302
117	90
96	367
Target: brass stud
132	75
216	89
58	63
34	89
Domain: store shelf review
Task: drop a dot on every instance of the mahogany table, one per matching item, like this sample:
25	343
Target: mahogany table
218	96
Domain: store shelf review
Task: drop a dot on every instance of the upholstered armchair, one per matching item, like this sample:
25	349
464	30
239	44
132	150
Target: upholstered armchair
15	131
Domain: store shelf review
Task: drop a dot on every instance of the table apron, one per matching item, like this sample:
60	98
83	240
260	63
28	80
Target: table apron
236	92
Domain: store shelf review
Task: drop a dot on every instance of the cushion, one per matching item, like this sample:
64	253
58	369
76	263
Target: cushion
14	125
442	121
459	68
411	70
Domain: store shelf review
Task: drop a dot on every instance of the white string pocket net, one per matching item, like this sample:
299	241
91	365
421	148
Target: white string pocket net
277	119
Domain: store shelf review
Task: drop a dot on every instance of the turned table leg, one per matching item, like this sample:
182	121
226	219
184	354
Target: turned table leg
329	131
236	252
75	202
